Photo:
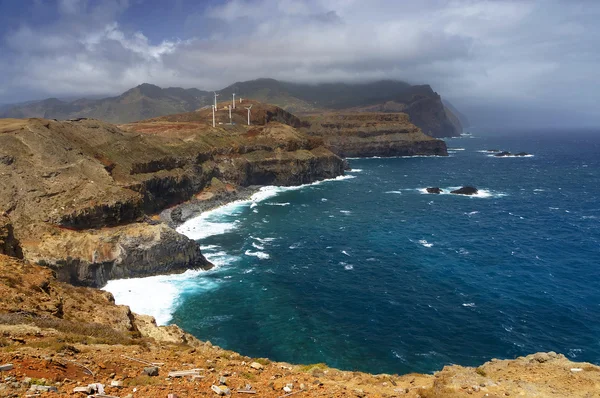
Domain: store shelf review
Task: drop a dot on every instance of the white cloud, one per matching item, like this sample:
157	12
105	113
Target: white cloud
498	50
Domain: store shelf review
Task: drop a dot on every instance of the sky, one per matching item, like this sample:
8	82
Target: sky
499	61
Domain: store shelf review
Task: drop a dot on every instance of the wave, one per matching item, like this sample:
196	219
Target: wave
260	255
355	171
398	157
456	149
211	222
277	204
425	243
482	193
510	156
257	246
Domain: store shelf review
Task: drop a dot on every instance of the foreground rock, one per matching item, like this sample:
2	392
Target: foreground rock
372	134
465	191
65	339
82	197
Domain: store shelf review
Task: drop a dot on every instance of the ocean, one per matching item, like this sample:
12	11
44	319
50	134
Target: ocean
367	272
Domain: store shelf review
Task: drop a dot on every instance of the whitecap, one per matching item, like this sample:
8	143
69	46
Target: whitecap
277	204
397	192
211	223
262	240
482	193
257	246
158	295
323	200
346	253
348	267
355	171
345	211
471	305
425	243
456	149
259	254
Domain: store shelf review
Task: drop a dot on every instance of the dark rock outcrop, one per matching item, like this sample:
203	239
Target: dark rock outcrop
465	191
434	190
9	245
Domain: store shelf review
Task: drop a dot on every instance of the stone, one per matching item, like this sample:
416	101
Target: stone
257	366
287	389
86	390
221	390
151	371
116	383
435	190
503	154
223	380
467	190
6	367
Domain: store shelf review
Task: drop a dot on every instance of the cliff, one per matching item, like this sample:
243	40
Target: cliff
57	336
77	196
371	134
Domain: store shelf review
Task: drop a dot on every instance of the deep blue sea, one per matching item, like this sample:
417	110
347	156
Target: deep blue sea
367	272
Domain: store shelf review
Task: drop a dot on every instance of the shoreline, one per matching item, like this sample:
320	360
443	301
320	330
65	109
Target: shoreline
195	210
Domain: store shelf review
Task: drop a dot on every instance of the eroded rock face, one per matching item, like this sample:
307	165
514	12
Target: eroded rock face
80	193
92	257
372	134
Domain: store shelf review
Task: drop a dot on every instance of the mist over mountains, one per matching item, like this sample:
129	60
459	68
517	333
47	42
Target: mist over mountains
420	102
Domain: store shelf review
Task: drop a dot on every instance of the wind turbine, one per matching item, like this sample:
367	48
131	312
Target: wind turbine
213	109
233	102
230	114
216	95
248	114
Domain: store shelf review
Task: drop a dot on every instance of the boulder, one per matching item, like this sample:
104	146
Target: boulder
522	154
503	154
465	191
151	371
435	190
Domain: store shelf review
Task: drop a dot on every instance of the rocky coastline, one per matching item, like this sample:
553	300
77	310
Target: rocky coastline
83	202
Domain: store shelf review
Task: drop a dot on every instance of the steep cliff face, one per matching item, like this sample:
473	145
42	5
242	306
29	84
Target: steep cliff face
367	134
425	111
79	193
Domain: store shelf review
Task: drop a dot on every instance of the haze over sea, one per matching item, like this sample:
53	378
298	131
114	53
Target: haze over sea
367	272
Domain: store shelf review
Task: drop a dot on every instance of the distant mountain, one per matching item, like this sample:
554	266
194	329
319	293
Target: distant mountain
141	102
421	103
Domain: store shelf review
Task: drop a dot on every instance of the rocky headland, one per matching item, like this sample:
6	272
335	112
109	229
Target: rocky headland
83	196
366	134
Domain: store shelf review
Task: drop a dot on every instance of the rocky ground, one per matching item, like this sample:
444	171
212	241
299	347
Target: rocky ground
60	337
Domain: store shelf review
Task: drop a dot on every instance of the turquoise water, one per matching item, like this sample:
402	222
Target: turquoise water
370	273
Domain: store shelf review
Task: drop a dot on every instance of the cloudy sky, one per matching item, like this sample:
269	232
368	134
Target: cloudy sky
523	61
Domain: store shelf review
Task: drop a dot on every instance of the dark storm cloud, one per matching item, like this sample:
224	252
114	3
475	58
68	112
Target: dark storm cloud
503	52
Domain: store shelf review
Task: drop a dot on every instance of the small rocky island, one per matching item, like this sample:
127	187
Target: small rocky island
465	191
508	154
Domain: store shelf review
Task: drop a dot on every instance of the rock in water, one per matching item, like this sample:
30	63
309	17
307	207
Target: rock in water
503	154
435	190
465	191
522	154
